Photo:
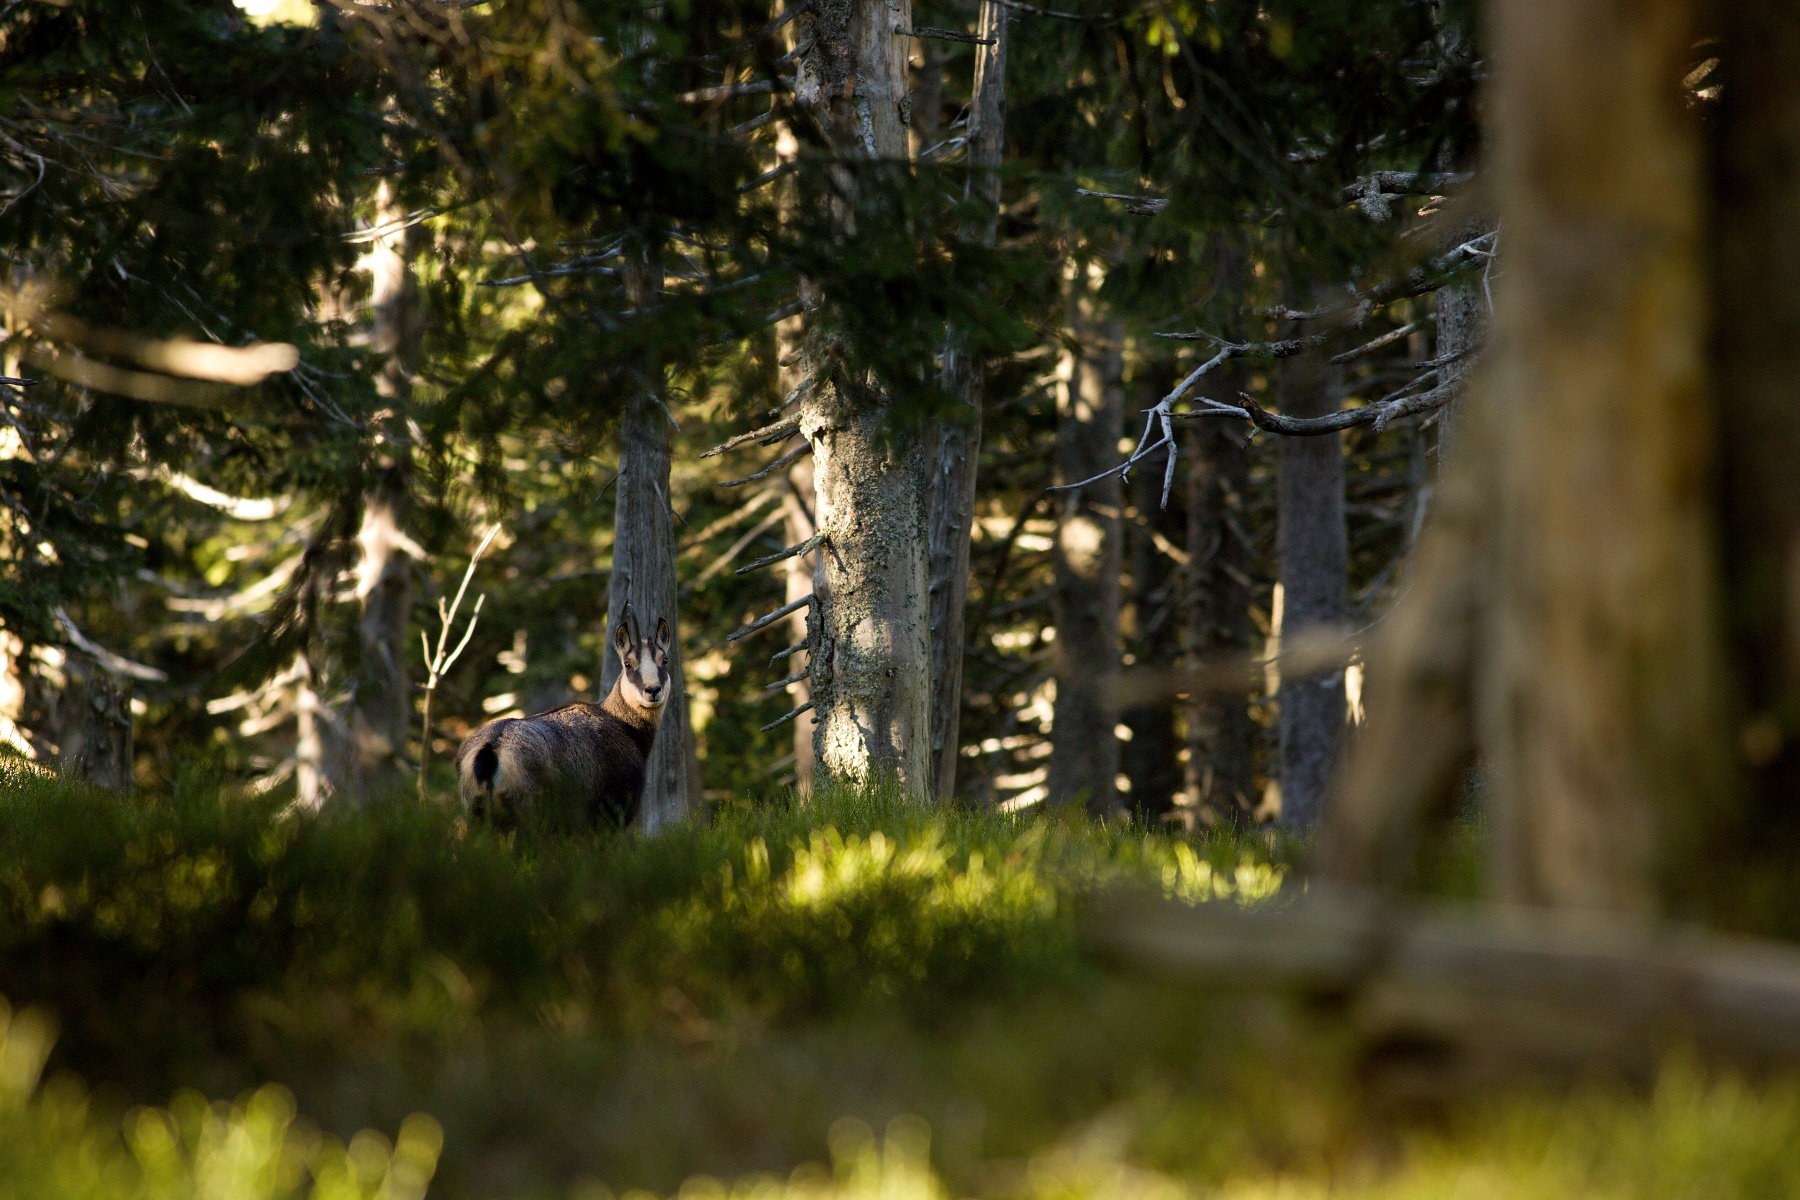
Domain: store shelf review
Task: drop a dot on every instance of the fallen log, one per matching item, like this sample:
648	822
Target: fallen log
1452	998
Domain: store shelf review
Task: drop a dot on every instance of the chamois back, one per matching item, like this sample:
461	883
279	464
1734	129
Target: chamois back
580	766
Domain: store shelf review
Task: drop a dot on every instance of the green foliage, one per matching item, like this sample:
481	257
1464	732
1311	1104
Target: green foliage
57	1141
742	1001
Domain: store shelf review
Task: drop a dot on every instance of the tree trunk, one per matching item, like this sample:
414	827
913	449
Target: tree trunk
959	436
1756	194
381	702
1084	756
94	727
1313	549
1568	604
800	507
1150	757
870	672
643	576
1461	312
319	739
1221	737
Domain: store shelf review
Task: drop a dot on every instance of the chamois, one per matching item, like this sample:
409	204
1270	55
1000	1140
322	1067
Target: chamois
578	766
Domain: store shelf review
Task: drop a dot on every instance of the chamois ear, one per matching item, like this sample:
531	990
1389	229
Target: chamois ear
622	641
662	634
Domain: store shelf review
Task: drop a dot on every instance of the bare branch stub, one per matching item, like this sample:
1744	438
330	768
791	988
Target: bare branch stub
762	623
803	449
807	547
786	717
744	439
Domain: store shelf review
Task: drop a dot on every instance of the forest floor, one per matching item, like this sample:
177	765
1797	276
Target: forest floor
849	1000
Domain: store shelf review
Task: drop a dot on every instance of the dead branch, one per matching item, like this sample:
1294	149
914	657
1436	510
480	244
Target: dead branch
792	650
802	449
807	547
944	35
1143	206
762	623
743	439
786	717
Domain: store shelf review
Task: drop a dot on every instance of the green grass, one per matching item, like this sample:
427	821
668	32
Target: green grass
742	1001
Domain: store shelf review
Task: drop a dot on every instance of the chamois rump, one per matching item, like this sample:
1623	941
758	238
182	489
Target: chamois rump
580	766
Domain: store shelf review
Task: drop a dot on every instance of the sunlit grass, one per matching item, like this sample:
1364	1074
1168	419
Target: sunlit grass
613	1015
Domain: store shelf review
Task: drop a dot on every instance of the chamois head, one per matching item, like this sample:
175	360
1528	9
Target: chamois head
643	662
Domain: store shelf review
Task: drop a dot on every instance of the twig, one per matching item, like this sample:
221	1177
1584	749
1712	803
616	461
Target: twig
796	677
436	665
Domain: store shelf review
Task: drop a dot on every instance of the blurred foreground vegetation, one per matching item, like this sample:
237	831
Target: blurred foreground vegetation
393	999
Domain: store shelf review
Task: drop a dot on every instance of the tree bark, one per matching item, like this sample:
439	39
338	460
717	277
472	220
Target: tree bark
1756	256
1084	756
1567	609
959	436
1313	549
1221	737
870	672
643	574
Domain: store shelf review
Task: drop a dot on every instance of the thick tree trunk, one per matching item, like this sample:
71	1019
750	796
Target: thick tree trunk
643	579
1313	548
1084	757
1150	758
1567	608
1756	194
870	673
952	493
380	719
1221	737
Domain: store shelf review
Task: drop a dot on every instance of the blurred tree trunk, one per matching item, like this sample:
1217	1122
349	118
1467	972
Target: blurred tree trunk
952	493
1313	548
643	569
1150	758
1221	737
1084	757
381	703
320	743
92	724
1756	258
1564	610
870	673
